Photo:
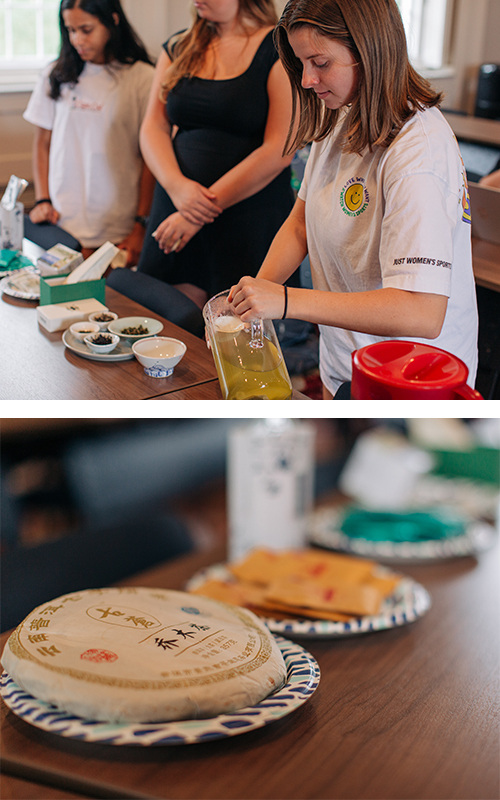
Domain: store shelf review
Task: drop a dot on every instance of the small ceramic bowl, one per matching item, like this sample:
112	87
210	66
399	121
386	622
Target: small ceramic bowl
159	355
102	348
82	329
107	317
147	326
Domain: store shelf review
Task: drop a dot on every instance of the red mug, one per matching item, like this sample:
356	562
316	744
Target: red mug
400	370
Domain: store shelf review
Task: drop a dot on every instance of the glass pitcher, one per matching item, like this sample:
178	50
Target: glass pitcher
247	355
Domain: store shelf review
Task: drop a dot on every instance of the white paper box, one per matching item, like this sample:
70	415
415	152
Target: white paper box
60	316
95	265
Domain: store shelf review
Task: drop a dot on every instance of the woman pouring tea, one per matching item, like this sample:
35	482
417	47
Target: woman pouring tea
383	210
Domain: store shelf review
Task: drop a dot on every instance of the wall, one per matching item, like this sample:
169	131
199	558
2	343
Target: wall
475	40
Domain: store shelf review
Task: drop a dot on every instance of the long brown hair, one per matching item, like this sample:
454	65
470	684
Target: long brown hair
123	45
389	90
188	49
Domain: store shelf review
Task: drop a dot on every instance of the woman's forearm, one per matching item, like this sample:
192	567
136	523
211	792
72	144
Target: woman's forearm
41	149
194	201
381	312
249	176
155	136
146	189
261	166
158	153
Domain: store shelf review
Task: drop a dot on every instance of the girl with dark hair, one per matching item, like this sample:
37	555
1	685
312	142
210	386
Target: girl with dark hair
213	137
383	211
88	107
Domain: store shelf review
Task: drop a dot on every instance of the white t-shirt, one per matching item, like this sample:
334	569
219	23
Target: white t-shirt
95	163
396	217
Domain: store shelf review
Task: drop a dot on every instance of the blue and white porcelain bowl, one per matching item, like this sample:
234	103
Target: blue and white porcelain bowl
159	355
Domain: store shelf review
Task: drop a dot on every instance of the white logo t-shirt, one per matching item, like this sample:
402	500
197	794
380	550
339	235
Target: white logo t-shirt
395	217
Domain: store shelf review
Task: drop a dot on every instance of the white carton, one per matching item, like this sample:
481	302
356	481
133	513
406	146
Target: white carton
60	316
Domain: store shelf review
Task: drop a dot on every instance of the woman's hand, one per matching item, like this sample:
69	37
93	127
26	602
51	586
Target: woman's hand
44	212
132	245
195	202
174	233
256	298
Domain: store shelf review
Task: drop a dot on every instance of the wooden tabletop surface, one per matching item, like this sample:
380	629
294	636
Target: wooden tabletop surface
36	365
210	390
409	713
474	129
486	263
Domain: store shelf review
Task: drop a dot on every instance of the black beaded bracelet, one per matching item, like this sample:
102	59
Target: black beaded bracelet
285	287
42	200
142	220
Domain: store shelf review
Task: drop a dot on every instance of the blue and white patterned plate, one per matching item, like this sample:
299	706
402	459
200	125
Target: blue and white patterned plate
409	601
23	284
324	530
303	677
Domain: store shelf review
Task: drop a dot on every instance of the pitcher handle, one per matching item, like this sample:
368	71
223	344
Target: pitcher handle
465	392
257	333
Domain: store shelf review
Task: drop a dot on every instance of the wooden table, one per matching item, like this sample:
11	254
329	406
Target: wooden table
407	713
37	366
474	129
210	390
486	263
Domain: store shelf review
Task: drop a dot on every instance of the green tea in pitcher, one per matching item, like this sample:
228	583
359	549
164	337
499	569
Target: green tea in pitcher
246	372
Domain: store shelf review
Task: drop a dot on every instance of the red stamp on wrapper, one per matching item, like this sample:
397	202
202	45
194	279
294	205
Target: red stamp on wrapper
98	655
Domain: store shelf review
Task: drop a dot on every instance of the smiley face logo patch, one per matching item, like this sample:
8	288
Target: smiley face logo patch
354	197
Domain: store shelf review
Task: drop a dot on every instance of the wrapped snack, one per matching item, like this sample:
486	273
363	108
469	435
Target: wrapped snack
309	583
264	566
142	655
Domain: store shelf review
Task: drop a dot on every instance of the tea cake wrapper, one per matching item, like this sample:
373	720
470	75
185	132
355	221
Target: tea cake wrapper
136	654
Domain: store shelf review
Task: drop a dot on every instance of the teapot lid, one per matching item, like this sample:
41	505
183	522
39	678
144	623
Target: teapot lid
402	363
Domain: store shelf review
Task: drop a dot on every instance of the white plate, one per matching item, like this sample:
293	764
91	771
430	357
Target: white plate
15	270
25	284
122	351
303	677
324	530
409	602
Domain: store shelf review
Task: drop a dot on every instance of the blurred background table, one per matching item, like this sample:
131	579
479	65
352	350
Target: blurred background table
486	263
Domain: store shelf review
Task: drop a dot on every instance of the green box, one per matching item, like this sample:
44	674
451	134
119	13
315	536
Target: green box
54	290
481	463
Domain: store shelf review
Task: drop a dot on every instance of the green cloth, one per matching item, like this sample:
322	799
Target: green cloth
13	259
413	526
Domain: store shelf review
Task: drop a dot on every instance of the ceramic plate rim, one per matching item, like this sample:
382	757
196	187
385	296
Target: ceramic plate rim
80	348
479	536
6	289
412	602
303	677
